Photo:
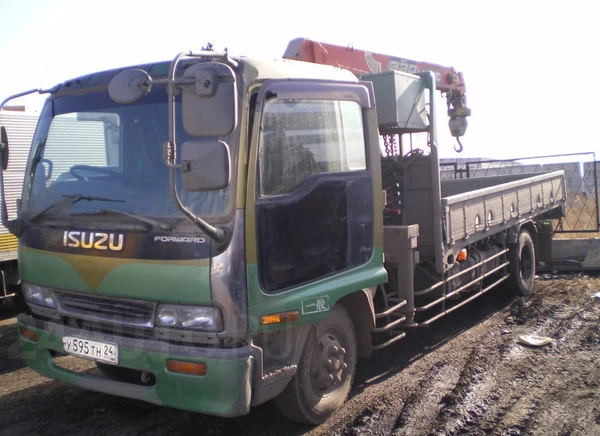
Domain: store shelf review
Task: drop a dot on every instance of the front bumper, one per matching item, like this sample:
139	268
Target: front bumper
225	390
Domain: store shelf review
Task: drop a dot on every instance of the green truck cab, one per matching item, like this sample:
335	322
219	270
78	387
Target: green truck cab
186	224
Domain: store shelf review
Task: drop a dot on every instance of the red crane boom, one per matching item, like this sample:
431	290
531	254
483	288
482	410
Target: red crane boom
361	62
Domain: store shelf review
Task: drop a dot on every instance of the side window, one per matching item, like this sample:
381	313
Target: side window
353	135
300	138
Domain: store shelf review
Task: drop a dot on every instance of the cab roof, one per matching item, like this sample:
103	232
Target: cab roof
250	69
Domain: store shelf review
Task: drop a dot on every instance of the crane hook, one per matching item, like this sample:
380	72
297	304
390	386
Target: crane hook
460	146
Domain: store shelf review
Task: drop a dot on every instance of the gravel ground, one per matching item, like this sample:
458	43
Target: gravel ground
467	374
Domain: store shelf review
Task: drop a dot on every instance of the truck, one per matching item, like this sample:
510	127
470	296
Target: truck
216	232
19	124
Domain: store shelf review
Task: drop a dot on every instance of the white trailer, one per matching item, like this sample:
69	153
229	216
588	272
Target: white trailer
20	127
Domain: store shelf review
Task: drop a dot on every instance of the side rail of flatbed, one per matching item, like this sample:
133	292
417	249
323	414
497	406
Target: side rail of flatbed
473	209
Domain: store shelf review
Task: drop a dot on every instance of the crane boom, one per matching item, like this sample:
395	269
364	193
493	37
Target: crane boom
364	62
361	62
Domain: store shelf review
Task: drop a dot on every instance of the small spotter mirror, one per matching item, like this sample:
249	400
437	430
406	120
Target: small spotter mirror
3	148
129	85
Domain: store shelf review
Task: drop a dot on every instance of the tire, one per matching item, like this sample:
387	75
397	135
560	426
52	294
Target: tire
320	388
521	257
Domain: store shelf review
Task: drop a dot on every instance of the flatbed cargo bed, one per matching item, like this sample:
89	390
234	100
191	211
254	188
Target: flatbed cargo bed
453	214
473	209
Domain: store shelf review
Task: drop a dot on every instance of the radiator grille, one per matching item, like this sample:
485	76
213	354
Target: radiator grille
127	312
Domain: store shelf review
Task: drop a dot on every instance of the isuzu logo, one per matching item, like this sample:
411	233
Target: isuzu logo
93	240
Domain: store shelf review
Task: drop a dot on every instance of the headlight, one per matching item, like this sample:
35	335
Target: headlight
38	295
189	317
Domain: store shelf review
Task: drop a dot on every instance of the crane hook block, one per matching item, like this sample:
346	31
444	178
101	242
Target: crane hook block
458	148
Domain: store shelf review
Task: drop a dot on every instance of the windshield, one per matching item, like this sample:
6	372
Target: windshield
87	145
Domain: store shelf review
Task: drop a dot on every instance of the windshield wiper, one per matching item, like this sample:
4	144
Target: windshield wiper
154	223
75	198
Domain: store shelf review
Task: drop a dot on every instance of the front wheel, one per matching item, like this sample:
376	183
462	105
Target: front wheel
522	265
325	371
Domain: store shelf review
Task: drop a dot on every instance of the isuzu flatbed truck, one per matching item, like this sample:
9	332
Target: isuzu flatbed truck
216	232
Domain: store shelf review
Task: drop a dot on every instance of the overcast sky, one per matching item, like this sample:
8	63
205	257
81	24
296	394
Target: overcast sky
530	66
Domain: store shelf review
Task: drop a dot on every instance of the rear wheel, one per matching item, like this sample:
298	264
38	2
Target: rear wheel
325	371
522	265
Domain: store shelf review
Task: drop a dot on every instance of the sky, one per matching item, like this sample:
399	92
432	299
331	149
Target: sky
529	65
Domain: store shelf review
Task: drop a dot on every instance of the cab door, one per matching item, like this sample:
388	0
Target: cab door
313	189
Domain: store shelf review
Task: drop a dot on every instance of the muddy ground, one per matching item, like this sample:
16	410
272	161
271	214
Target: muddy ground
467	374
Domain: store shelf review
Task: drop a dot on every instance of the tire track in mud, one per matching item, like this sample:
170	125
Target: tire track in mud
560	376
481	381
494	367
422	406
511	396
409	400
405	409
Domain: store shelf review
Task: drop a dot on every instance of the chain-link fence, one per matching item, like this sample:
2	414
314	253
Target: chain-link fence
581	177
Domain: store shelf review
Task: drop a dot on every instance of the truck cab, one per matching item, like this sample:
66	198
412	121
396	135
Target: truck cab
187	224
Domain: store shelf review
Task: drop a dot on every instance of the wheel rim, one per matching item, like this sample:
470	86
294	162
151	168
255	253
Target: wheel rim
526	263
329	368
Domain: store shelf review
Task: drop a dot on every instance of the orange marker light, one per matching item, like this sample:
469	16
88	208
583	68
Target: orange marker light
277	318
193	368
462	255
29	334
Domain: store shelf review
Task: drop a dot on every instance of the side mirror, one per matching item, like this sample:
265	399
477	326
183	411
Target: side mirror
205	165
209	104
3	148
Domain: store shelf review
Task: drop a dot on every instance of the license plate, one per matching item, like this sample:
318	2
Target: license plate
101	351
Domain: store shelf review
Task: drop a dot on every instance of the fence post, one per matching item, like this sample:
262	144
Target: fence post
596	192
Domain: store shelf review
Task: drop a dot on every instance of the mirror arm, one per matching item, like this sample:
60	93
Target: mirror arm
166	81
31	91
170	148
214	232
170	158
169	155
